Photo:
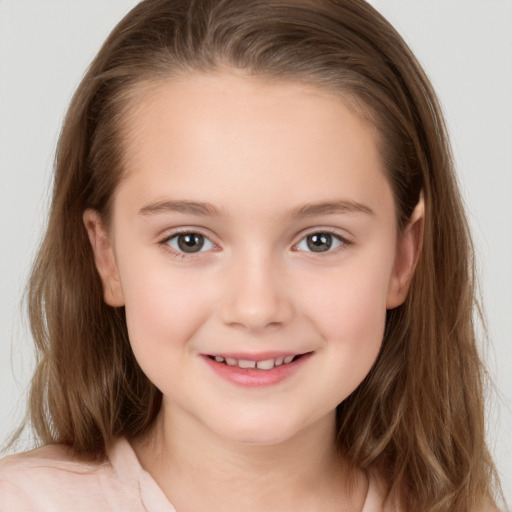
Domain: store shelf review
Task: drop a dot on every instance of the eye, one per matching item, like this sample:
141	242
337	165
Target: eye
320	242
189	243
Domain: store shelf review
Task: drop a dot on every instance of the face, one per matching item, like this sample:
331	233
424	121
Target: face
254	246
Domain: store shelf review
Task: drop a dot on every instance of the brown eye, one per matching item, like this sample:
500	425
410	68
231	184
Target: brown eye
319	242
189	243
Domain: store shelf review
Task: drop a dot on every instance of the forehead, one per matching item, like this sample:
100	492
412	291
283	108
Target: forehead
229	133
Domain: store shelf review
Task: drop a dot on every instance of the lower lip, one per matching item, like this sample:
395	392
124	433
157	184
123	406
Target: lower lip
254	378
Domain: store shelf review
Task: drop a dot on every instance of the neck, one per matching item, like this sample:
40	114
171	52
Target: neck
198	470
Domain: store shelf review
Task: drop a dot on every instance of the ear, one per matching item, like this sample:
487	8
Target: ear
104	258
407	253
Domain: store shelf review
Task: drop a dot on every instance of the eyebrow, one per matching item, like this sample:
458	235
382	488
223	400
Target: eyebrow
189	207
332	207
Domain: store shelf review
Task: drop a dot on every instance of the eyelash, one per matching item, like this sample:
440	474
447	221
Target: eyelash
164	243
343	243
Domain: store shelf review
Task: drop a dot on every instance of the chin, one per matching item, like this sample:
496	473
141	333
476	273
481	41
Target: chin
263	432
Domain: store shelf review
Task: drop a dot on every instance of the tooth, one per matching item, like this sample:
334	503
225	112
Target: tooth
219	359
265	365
279	361
231	361
243	363
288	359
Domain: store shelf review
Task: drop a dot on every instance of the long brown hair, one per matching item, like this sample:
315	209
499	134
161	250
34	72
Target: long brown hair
418	417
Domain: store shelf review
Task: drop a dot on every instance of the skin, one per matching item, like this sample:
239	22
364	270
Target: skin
260	154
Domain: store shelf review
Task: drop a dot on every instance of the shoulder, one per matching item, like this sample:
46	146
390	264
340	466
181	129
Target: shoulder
53	457
50	478
379	500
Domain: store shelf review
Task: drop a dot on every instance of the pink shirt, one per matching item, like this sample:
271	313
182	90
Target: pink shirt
50	479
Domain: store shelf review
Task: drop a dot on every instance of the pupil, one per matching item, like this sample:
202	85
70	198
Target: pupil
190	242
319	242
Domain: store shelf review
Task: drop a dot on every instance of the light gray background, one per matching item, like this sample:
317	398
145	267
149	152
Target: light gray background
466	48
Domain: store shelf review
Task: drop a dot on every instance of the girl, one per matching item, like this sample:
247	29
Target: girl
256	288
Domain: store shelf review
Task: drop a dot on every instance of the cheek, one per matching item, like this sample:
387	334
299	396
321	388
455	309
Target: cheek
352	299
356	308
349	311
355	322
162	309
162	315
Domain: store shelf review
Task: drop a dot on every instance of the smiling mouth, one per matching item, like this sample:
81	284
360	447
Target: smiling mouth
265	365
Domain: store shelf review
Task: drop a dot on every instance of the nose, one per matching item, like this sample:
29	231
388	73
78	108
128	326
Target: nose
256	297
